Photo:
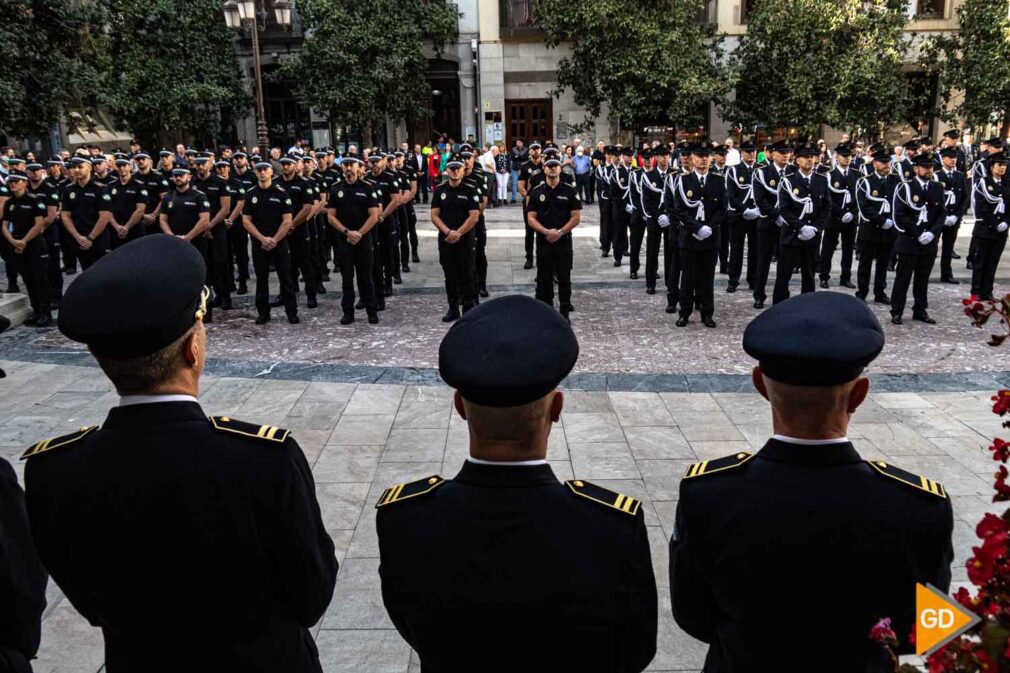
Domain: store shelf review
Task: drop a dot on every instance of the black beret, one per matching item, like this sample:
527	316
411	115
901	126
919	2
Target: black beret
137	299
506	352
789	340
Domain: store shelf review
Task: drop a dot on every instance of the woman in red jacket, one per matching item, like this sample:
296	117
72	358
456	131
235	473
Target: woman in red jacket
434	168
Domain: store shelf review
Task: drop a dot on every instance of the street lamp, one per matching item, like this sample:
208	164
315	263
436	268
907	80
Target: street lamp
236	13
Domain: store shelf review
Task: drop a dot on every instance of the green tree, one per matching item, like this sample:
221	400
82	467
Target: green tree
45	65
363	62
170	68
810	62
647	61
974	65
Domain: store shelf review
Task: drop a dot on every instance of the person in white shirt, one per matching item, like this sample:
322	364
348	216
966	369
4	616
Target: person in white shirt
732	153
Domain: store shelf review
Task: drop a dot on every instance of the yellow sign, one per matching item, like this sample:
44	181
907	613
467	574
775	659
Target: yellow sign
938	619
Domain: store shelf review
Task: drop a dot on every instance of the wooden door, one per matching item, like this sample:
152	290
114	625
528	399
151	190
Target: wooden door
528	120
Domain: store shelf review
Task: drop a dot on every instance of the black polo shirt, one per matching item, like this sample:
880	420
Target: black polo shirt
387	183
19	213
302	194
455	203
267	207
125	198
156	185
350	203
48	191
554	206
247	179
214	188
85	204
184	209
532	174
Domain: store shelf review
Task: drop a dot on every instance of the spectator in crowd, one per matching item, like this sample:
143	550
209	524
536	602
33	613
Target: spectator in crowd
435	167
503	165
520	155
583	170
732	153
568	163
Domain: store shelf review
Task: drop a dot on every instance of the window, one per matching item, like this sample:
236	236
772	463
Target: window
746	7
516	17
705	13
928	9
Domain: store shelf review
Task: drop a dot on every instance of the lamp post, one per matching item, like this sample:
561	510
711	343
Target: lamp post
236	14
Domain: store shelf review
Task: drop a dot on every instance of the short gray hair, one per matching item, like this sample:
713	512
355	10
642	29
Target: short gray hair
140	375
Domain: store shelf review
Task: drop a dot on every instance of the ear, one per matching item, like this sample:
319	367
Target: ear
557	404
457	401
757	377
858	393
191	348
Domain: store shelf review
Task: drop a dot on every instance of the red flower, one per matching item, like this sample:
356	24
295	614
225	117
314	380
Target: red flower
1002	403
1002	490
984	663
962	596
971	300
882	633
982	566
1000	450
990	525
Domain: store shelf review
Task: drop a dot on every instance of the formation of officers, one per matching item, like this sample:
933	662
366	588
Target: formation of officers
197	543
794	210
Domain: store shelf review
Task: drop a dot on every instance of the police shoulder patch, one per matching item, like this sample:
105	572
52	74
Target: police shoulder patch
706	467
409	490
269	433
58	442
915	481
602	496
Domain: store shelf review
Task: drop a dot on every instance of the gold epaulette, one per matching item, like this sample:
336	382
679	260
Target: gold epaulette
598	494
413	489
57	442
913	480
268	432
718	465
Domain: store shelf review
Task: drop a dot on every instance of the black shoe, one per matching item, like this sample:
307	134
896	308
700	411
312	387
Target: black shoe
860	295
569	308
564	314
451	316
650	290
360	305
681	322
311	303
325	278
924	317
848	284
320	288
722	270
731	288
671	308
954	255
262	318
226	304
482	291
12	288
404	268
882	299
824	283
892	267
634	275
617	262
242	289
347	319
415	259
387	291
45	319
277	303
708	322
951	281
969	265
380	305
605	253
31	320
529	263
397	280
895	319
758	303
373	318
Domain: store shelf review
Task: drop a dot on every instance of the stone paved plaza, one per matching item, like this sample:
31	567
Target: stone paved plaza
646	400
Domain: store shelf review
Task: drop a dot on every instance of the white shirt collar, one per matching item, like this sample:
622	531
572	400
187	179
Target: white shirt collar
810	442
131	400
922	183
506	463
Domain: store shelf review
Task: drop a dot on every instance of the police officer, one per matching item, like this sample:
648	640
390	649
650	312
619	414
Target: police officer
620	203
238	237
532	168
222	512
22	220
455	208
956	197
408	216
85	214
875	238
766	194
102	173
266	215
387	184
215	238
990	196
316	234
805	209
554	211
48	192
6	251
637	222
868	530
302	195
651	187
718	168
700	207
156	185
128	205
842	224
741	213
352	210
477	179
949	142
506	508
601	175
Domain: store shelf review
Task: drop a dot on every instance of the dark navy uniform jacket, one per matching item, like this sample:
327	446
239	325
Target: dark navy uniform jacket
194	543
503	568
908	200
783	560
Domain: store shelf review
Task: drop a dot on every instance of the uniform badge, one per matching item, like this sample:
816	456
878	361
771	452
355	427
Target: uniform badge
206	204
740	179
443	196
73	195
106	197
253	199
772	182
915	198
113	192
170	204
542	198
990	187
875	192
287	202
837	184
796	190
340	194
653	183
143	192
690	193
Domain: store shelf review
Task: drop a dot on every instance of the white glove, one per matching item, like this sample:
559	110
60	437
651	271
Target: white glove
888	223
807	232
751	214
950	221
629	208
703	233
663	221
1001	227
926	238
846	218
779	221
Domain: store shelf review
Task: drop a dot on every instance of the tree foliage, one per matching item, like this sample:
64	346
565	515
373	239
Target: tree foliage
647	61
811	62
364	62
45	64
974	65
169	65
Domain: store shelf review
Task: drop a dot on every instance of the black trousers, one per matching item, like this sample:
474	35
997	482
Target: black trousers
408	235
767	245
54	270
671	266
606	229
697	281
983	273
321	245
948	237
382	269
218	264
828	245
619	221
636	228
301	260
582	187
790	256
68	247
98	250
724	244
7	254
422	187
355	261
742	233
238	240
457	260
914	269
33	266
530	234
554	260
398	222
480	252
870	253
591	194
280	257
655	236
